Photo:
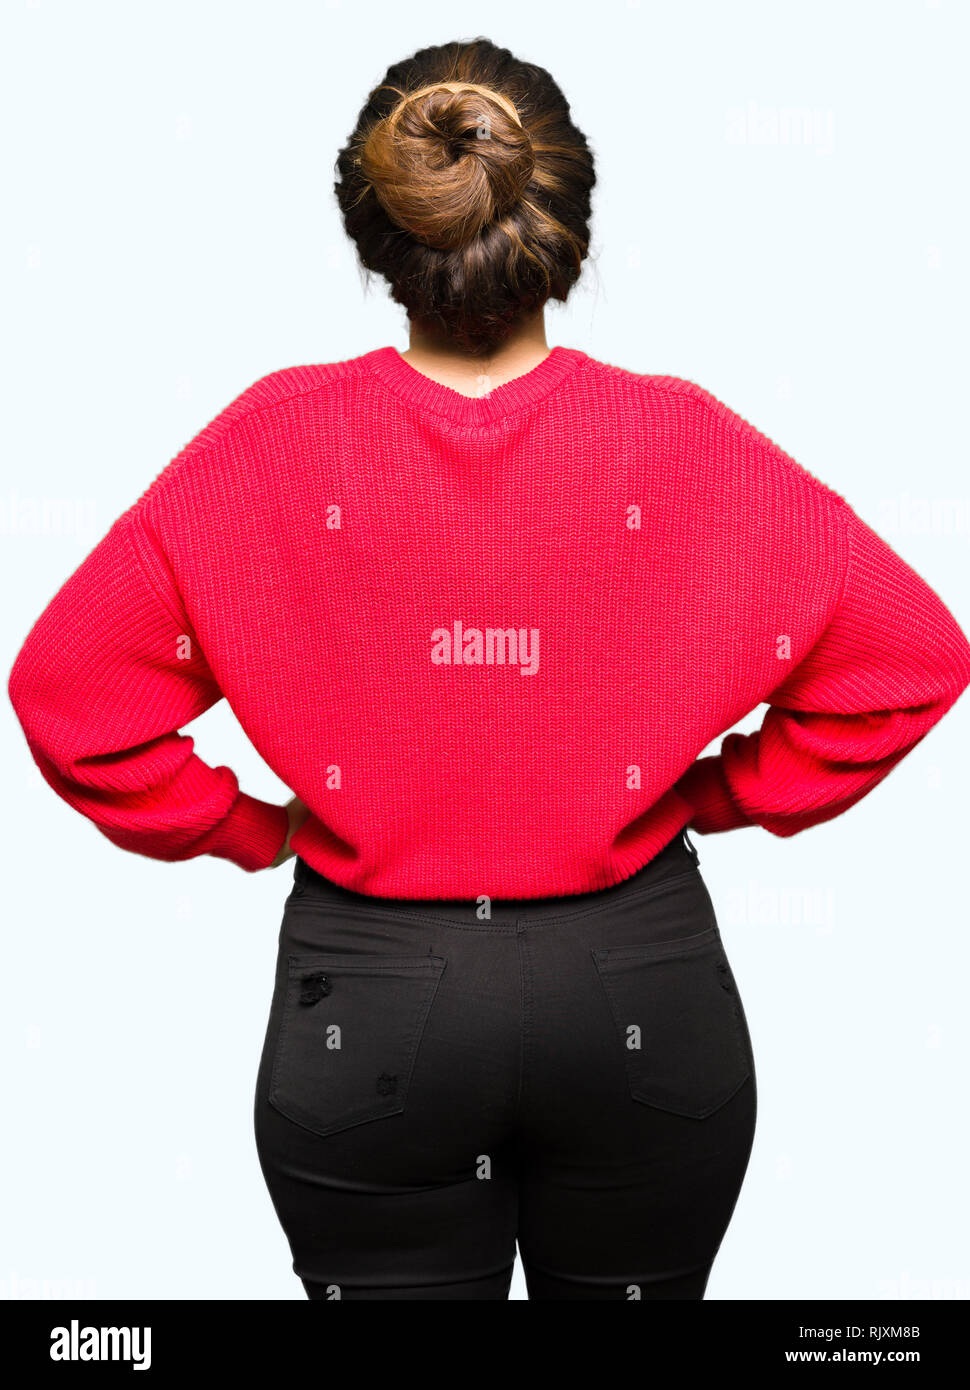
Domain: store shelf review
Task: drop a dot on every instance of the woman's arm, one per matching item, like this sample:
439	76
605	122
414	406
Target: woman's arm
108	674
890	663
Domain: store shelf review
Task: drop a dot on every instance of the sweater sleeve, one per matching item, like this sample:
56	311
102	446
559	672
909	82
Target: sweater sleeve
106	677
889	664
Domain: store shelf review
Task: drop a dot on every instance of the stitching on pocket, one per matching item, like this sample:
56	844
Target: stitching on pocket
652	954
658	949
426	970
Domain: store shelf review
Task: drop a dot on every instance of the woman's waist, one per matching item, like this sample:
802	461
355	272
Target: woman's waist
676	859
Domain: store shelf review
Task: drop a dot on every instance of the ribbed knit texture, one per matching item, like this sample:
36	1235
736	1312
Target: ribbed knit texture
309	552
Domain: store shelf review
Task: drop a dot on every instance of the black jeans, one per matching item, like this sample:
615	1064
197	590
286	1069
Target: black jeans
571	1073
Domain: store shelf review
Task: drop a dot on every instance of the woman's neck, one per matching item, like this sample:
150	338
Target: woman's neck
476	376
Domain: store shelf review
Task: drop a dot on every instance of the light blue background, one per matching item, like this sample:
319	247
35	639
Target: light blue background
171	236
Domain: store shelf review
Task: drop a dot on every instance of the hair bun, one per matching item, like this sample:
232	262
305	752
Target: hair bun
449	159
466	184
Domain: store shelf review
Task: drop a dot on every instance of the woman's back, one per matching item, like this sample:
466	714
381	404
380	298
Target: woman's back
482	638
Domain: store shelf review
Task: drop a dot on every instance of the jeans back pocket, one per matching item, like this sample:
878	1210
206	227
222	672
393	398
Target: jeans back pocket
679	1022
349	1033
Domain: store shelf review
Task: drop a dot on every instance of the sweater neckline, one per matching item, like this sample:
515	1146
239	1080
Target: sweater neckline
501	401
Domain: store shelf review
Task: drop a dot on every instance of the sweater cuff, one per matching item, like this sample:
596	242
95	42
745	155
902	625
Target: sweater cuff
252	834
703	785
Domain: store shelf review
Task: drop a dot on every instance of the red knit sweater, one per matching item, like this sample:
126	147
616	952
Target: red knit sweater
484	639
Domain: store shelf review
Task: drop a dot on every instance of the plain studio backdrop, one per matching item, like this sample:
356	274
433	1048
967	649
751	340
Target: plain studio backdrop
779	216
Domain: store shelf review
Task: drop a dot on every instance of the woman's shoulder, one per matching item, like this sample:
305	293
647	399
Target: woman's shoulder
704	417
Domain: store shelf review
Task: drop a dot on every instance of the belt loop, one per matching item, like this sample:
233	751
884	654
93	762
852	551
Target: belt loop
299	876
691	847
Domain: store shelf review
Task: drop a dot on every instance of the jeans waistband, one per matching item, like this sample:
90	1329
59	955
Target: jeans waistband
678	858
